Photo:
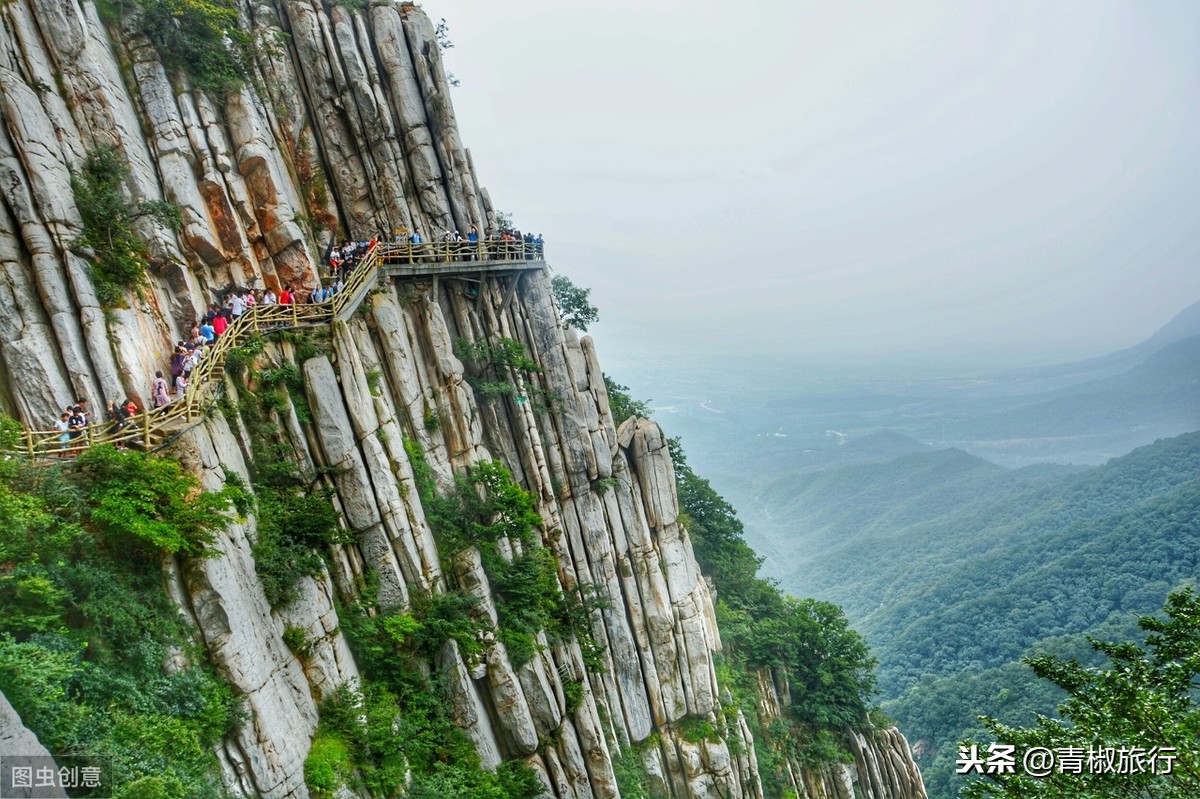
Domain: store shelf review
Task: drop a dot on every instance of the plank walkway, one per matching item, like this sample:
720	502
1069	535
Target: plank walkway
153	428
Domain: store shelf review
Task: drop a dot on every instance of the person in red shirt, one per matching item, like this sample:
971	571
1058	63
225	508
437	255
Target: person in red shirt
285	296
220	324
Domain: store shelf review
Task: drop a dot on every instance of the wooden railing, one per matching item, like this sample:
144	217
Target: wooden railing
153	427
461	252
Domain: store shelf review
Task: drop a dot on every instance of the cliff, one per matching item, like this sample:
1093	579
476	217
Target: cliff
344	124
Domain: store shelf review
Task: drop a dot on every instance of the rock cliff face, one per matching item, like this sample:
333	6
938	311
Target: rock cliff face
346	124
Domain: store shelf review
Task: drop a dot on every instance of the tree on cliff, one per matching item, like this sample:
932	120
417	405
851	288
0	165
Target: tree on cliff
1128	730
573	303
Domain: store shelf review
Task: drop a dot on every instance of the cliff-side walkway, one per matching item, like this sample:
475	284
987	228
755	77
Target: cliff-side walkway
152	428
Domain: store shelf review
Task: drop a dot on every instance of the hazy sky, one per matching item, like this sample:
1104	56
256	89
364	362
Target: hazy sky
990	180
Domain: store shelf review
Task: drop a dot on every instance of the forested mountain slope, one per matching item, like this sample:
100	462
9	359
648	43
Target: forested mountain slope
951	603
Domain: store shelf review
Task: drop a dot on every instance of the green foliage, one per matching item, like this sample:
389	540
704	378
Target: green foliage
573	694
482	509
573	303
109	219
494	369
445	617
527	599
291	527
442	32
145	505
601	485
1051	556
309	343
398	719
623	406
828	665
697	730
296	639
157	786
327	766
1144	698
296	517
86	627
201	38
286	376
718	538
506	353
825	661
238	360
633	781
374	381
11	434
806	643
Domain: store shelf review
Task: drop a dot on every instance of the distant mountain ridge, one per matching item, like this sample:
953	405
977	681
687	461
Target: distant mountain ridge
1107	416
1183	325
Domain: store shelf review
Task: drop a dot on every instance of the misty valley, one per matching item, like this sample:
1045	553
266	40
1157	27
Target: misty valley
963	521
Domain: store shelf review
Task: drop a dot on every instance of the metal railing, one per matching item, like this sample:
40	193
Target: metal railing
150	428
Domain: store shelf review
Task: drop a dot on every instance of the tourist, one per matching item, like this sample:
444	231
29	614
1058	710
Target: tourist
63	425
158	390
177	359
78	423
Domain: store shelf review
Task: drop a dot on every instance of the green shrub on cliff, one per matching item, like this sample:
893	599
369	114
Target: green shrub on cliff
86	628
201	38
119	255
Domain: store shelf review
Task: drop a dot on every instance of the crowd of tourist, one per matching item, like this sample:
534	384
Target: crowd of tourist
341	260
513	242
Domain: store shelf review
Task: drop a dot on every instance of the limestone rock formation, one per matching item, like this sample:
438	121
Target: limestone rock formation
18	741
345	128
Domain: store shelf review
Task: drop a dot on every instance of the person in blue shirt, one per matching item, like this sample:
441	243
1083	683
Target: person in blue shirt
538	241
208	332
416	236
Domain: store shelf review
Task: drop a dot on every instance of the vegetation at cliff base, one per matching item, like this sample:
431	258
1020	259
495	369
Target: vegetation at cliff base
395	724
110	218
94	656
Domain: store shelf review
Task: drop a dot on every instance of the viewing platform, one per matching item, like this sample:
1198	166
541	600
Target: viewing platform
154	427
